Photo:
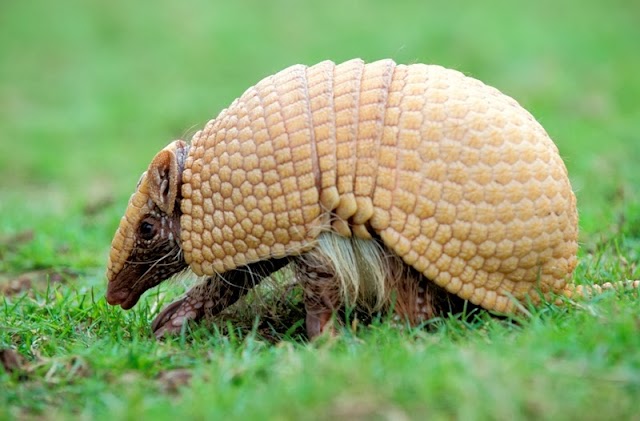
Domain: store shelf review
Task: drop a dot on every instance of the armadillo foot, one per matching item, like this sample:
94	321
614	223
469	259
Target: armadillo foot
206	298
175	315
213	295
419	300
321	297
319	322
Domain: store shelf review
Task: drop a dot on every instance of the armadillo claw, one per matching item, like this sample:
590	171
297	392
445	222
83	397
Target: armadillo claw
320	304
319	322
174	316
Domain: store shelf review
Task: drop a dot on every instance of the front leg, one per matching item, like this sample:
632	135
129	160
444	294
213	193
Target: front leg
207	298
213	295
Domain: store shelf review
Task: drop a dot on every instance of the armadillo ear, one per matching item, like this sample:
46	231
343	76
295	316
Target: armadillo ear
163	180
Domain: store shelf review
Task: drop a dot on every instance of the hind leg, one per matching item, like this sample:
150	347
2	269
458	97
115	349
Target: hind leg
321	293
417	299
372	275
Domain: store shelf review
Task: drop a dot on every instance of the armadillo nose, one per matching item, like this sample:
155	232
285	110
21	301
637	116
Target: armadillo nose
116	297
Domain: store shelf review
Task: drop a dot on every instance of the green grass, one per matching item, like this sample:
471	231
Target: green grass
90	92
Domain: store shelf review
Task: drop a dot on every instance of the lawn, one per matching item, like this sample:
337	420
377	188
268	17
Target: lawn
90	91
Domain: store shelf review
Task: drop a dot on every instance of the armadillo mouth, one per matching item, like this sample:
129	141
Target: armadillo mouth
124	298
128	286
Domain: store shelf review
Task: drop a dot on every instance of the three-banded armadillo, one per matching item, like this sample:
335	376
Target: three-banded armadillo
369	178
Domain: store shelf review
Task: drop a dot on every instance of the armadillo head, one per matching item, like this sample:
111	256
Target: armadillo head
146	247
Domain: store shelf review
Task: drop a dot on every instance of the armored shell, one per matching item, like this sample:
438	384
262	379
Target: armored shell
452	175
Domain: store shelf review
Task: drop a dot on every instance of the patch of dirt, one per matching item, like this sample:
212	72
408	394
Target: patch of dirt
35	280
172	380
11	242
99	194
97	205
50	370
10	360
66	369
12	363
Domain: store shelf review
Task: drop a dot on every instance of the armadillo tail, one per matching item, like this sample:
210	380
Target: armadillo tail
587	291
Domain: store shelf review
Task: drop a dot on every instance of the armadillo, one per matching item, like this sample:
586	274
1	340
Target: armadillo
369	179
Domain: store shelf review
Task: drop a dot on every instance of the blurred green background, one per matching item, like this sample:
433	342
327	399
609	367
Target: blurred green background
91	90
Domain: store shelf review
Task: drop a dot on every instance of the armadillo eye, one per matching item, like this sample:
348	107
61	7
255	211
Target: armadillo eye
147	230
